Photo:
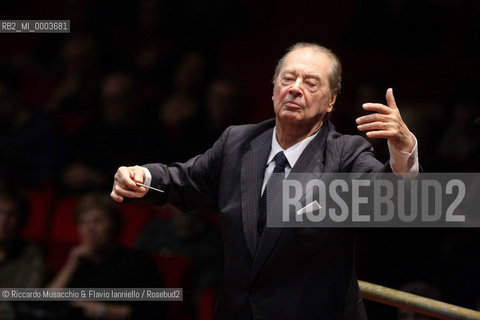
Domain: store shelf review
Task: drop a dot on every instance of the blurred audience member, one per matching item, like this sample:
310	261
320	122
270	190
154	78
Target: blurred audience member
152	62
190	76
28	143
223	102
150	19
422	289
153	51
22	264
176	112
180	111
187	234
78	90
76	97
99	261
98	149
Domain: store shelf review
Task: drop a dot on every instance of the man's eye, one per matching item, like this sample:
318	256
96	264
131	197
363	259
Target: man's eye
288	79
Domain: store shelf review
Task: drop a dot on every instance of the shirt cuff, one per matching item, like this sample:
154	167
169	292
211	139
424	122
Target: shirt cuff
148	176
404	163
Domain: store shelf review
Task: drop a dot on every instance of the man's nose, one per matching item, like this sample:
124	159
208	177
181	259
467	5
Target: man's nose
295	89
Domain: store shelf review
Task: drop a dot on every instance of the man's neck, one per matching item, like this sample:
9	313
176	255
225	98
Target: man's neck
290	134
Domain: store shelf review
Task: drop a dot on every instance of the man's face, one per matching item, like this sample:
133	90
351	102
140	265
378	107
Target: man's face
301	94
118	99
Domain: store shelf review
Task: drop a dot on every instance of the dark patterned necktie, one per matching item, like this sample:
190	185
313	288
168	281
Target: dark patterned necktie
272	189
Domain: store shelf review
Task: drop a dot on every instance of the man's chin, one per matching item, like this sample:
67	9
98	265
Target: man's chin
291	116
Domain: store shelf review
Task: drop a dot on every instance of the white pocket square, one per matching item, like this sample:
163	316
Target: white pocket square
309	208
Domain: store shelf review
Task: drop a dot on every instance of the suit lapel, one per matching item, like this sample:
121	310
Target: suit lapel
310	161
313	157
252	174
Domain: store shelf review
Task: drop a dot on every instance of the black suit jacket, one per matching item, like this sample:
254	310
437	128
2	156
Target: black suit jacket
295	273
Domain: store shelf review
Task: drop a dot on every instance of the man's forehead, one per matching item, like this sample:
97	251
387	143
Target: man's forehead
308	58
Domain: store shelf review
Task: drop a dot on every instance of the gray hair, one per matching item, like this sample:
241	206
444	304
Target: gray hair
335	74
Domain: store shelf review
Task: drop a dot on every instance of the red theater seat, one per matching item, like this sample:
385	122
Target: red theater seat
41	203
174	271
63	227
135	215
206	304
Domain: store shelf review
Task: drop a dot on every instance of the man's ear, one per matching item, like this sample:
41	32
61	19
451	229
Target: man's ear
333	99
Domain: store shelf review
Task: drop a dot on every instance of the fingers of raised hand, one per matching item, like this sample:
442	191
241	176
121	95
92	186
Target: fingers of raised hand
377	107
393	130
390	99
369	126
380	125
374	117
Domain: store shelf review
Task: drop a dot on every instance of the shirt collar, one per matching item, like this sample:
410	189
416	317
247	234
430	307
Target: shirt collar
293	153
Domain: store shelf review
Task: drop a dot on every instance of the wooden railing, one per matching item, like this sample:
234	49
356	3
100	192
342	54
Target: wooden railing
400	299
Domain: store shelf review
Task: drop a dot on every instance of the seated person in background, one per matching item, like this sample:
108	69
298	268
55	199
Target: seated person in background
78	88
223	107
22	264
99	261
97	150
28	139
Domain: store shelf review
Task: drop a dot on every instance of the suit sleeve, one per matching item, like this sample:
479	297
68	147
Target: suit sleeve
358	157
190	183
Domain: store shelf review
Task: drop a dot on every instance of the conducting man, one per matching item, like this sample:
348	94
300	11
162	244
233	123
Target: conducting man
282	273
